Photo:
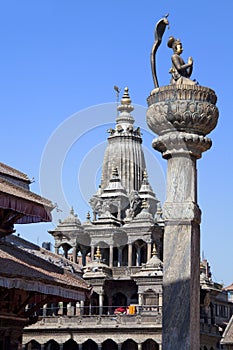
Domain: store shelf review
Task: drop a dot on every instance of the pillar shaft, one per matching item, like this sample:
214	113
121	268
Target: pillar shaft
148	251
75	254
101	302
111	255
119	263
84	257
92	252
130	250
138	256
181	115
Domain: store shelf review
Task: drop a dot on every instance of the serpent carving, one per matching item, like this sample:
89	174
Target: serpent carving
159	31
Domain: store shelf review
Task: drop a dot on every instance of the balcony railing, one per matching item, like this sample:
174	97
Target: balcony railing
210	329
148	315
125	271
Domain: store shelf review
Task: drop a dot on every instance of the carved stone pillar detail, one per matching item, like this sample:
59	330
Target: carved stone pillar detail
182	116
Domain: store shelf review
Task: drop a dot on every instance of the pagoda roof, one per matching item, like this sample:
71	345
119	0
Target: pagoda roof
31	206
8	170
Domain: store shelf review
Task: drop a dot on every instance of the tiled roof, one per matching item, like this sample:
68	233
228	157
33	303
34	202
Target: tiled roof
45	254
228	333
230	287
24	270
7	170
34	207
9	188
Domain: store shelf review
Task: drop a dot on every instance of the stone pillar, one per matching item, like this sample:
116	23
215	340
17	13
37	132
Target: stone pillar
44	310
65	249
181	115
101	302
139	346
92	252
42	347
84	257
99	346
80	347
119	346
130	250
75	254
82	307
111	255
160	302
140	299
138	256
119	263
60	346
148	250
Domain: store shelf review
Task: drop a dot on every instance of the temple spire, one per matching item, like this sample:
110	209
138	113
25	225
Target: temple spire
124	149
125	108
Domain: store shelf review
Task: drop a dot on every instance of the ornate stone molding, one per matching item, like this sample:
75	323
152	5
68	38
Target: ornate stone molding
181	143
189	109
186	211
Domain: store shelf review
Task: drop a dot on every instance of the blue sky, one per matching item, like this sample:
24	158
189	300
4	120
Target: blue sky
62	58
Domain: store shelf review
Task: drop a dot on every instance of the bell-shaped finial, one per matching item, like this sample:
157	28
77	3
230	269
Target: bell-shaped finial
145	204
98	254
154	251
126	98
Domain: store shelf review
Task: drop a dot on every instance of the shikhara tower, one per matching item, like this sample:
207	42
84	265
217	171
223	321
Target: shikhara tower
124	182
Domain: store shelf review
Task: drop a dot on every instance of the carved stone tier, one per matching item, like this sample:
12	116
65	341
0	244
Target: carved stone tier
181	143
188	108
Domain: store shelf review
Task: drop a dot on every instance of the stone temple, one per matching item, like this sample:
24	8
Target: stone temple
120	250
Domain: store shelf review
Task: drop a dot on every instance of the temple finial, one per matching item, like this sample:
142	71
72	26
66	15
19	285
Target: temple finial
144	204
154	251
98	254
126	98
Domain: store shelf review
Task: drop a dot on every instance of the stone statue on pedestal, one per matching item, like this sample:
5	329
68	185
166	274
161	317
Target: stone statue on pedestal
181	114
180	70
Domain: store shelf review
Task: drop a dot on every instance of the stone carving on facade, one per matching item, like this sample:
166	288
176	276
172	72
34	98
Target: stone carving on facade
135	203
104	210
129	215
